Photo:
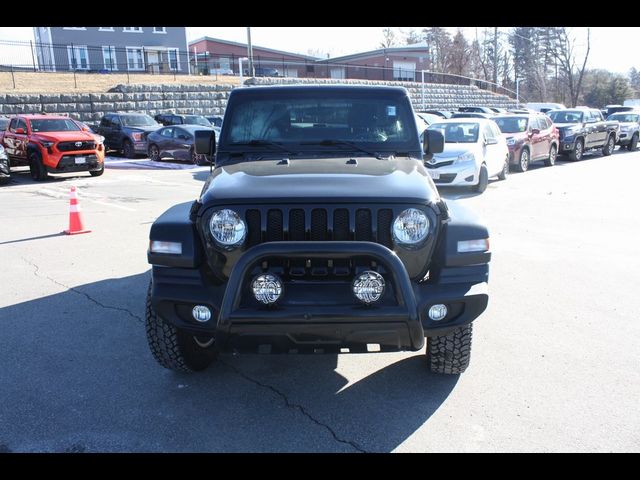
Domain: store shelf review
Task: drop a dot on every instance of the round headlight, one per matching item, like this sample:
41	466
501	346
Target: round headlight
227	228
410	227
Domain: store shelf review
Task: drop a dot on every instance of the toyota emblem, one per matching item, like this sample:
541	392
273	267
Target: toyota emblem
78	144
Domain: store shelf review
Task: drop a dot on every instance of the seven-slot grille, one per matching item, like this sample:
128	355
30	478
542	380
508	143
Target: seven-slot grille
319	224
71	146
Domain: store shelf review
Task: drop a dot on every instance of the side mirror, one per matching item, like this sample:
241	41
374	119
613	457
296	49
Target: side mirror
20	131
490	141
205	142
86	129
433	142
535	131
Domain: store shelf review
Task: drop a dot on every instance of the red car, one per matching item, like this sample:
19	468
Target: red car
530	137
53	144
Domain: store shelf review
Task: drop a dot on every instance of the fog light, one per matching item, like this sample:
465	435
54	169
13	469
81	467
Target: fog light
267	288
368	287
201	313
438	312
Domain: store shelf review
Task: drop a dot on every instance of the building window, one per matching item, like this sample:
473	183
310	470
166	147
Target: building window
74	28
173	59
78	57
109	57
105	29
135	59
132	29
159	29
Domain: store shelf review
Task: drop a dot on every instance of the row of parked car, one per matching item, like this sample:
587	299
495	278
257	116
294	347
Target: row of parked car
481	143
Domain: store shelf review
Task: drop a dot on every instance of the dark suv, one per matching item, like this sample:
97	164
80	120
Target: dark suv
530	137
175	119
319	230
127	132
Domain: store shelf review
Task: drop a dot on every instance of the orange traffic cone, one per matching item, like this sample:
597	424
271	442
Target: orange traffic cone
75	219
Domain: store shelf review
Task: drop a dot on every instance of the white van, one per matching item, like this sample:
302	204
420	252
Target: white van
545	107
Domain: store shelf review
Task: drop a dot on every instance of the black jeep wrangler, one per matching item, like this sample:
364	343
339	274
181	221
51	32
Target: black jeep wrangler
319	230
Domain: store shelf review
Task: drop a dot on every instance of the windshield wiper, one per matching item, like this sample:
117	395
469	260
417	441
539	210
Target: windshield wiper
344	142
262	143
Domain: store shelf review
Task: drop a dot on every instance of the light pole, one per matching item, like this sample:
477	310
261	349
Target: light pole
250	53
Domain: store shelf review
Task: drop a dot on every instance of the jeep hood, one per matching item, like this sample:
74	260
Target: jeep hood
312	180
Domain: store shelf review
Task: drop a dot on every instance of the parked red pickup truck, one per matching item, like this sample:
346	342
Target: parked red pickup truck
52	144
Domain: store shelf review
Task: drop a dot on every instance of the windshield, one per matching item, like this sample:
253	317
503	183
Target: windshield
566	116
137	121
377	122
459	132
196	120
512	124
54	125
624	117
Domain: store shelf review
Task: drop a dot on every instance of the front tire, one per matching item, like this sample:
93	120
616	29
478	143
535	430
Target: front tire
195	158
505	170
174	348
483	180
609	146
523	161
154	152
128	150
36	168
550	161
578	150
450	354
634	142
97	173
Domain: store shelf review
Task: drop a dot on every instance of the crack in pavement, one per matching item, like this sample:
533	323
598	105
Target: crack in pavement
295	406
80	292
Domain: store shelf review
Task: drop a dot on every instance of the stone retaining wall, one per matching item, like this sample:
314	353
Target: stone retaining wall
212	99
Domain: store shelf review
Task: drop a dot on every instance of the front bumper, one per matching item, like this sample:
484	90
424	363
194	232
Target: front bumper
69	163
309	319
625	137
567	145
455	174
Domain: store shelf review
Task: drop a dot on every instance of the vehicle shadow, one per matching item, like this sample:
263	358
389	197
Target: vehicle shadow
456	193
78	376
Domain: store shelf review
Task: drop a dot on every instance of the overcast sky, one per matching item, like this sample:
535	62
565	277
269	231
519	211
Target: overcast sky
611	47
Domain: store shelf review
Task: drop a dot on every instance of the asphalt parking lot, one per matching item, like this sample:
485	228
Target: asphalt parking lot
554	364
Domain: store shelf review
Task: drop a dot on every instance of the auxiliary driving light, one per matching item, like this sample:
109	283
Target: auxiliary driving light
438	312
267	288
368	287
201	313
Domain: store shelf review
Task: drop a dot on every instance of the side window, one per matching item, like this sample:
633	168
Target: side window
22	124
167	132
589	116
597	115
13	124
116	120
547	122
488	133
105	122
496	131
176	120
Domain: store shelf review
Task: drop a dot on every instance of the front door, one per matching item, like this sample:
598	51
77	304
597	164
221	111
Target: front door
153	61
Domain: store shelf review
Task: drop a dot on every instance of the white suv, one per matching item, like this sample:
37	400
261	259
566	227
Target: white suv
474	151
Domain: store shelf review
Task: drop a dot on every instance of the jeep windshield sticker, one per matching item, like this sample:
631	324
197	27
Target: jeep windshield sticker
391	111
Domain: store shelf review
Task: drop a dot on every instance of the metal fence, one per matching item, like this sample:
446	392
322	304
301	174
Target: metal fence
38	57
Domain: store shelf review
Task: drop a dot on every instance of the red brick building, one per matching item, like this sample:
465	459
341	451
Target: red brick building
215	55
395	63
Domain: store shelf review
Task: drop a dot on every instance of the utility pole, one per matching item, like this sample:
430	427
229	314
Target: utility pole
250	52
495	57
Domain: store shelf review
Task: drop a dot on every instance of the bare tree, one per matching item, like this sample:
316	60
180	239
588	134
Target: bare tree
458	55
389	38
412	37
567	62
